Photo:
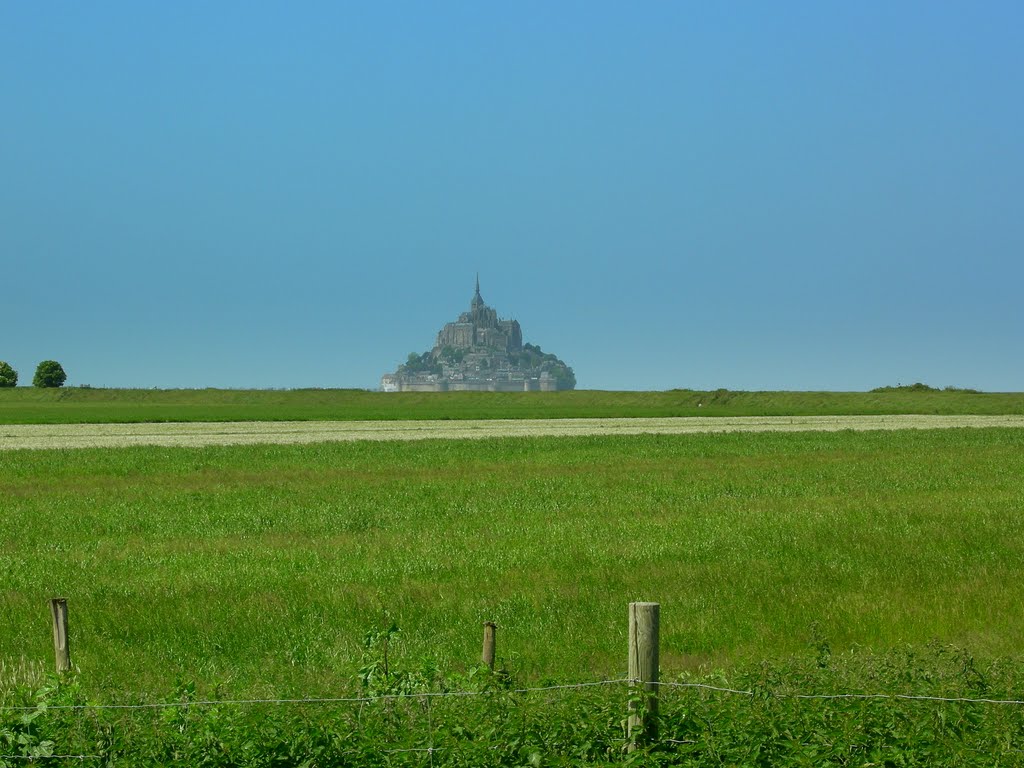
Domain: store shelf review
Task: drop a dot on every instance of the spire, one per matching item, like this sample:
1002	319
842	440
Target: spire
477	298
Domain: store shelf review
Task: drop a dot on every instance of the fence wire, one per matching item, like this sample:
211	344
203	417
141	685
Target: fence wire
322	700
32	758
426	696
827	696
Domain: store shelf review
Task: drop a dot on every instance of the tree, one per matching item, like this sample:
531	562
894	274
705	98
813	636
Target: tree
8	376
49	373
424	363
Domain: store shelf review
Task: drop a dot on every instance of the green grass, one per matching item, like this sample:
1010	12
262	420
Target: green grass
262	568
784	562
25	405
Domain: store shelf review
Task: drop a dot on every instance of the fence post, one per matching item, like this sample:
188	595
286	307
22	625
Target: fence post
61	649
643	672
488	654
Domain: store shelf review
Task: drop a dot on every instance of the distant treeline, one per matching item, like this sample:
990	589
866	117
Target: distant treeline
919	387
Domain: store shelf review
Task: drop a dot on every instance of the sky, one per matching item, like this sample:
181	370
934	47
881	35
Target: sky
750	195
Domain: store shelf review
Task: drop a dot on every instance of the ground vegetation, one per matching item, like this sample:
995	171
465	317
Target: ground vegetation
95	405
787	564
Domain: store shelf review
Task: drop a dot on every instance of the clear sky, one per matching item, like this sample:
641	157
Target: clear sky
752	195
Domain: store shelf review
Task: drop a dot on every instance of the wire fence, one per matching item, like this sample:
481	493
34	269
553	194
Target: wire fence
618	715
322	700
828	696
425	698
427	695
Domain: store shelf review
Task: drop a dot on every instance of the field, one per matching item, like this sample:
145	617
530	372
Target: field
28	405
821	561
267	565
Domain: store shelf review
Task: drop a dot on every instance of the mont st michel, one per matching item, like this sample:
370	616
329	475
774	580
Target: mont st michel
480	352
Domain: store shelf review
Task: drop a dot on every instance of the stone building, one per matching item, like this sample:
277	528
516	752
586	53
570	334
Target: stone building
480	328
480	352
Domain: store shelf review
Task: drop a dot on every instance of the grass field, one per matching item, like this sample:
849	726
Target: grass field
262	568
27	405
785	563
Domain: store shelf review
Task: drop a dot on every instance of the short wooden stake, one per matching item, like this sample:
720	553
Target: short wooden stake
643	672
488	655
61	649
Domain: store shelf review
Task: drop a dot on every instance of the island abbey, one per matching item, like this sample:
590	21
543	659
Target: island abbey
483	353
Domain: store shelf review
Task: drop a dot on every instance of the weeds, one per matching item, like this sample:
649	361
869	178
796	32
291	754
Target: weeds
500	726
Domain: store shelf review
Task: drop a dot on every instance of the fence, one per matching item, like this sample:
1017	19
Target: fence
637	697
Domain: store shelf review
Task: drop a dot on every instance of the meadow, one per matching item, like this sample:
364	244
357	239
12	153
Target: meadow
818	561
264	566
29	405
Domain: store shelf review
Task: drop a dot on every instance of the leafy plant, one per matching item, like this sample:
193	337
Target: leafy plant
379	673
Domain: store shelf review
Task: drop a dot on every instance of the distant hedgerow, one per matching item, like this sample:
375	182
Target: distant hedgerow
919	387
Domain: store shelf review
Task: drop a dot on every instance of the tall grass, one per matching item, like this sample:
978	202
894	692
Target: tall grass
262	568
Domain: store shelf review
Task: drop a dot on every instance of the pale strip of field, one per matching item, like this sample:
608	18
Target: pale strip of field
48	436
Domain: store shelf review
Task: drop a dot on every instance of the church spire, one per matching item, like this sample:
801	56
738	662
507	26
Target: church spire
477	298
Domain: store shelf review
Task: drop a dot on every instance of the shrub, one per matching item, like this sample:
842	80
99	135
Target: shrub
8	376
49	373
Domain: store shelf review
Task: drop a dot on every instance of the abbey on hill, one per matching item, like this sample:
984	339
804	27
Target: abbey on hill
480	352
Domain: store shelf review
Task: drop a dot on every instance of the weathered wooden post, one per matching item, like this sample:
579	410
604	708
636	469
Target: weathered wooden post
643	672
61	649
488	654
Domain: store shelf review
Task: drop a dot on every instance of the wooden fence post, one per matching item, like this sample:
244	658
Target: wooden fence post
488	654
61	649
643	672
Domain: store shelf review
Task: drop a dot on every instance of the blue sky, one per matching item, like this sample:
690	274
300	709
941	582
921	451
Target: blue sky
746	195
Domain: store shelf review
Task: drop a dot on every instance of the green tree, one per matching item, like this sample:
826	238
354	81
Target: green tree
49	373
424	363
8	376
